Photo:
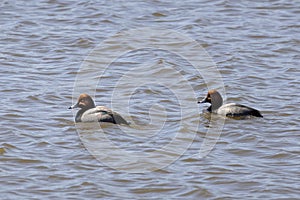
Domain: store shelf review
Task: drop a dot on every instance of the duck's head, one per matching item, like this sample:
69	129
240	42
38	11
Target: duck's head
214	98
85	101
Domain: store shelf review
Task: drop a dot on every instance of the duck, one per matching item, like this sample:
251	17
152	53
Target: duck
89	112
229	110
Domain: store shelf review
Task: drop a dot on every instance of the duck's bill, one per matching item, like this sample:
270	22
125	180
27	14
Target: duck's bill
74	106
203	101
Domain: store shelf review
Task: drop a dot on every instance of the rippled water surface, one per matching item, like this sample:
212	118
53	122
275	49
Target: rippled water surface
53	50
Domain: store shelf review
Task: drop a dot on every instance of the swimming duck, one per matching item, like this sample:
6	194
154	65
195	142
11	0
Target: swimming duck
91	113
229	110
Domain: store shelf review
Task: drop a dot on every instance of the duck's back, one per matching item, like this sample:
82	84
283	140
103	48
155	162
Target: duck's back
237	110
103	114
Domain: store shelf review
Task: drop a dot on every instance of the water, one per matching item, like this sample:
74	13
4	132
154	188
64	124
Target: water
43	154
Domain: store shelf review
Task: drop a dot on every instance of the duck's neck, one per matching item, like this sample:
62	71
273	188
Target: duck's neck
216	102
209	109
79	114
215	106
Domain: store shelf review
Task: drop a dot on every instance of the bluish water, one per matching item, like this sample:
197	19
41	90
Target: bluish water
45	45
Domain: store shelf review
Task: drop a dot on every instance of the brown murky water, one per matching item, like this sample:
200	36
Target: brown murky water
44	47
